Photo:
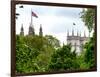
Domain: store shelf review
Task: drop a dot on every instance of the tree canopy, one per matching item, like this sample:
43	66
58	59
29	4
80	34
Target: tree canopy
88	16
63	59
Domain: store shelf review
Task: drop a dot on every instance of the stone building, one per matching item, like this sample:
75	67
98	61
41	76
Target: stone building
77	41
22	30
31	30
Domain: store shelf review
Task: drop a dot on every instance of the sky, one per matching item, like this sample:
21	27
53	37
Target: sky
56	21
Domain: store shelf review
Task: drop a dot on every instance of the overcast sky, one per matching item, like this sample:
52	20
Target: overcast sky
55	21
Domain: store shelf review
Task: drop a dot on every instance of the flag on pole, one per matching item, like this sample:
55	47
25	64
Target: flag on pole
34	14
74	23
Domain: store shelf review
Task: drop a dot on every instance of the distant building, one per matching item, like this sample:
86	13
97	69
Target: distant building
40	31
22	30
77	41
31	30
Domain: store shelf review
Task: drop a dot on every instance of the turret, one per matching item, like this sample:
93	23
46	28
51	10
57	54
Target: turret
31	30
80	34
84	34
22	30
72	32
68	33
77	33
40	31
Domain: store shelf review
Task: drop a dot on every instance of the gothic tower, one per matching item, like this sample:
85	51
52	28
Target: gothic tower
22	30
80	34
77	33
72	32
84	34
40	31
31	30
67	32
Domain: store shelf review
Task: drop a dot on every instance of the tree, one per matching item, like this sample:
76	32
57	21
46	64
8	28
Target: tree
63	59
25	56
87	57
34	41
88	16
33	53
89	52
81	61
53	41
48	48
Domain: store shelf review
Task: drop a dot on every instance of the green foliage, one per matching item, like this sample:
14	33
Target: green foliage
34	42
81	61
42	54
53	41
25	56
87	57
89	52
63	59
88	16
33	53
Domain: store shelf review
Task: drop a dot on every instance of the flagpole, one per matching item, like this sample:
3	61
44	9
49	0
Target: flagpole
31	16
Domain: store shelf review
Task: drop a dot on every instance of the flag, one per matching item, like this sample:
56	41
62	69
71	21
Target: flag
74	24
33	14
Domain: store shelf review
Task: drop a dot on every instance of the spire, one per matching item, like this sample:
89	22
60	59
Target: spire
31	30
84	34
22	30
67	32
72	32
40	32
80	34
77	33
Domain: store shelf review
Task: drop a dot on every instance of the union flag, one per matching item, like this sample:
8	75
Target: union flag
34	14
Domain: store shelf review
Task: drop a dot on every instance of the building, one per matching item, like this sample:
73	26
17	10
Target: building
40	31
31	30
22	30
77	41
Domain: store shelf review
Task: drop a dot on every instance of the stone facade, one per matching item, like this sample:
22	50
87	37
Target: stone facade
77	41
31	30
